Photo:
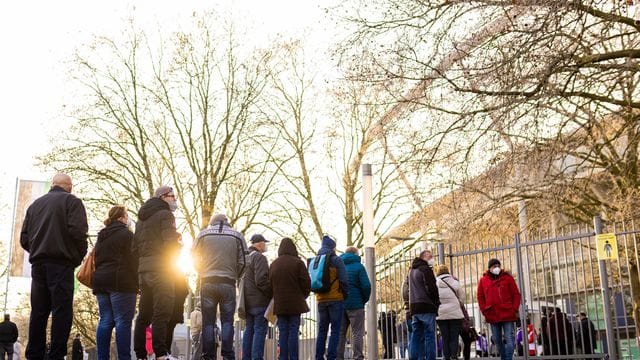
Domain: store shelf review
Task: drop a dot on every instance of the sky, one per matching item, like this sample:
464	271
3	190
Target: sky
38	40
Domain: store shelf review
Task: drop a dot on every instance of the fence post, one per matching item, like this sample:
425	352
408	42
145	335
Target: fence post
523	290
606	296
369	261
441	254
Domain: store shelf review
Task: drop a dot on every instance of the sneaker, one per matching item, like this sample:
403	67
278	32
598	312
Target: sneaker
168	357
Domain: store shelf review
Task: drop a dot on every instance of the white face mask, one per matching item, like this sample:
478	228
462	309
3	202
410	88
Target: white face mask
173	206
129	222
431	262
496	270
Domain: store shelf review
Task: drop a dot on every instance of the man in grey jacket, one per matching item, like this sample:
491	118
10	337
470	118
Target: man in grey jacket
256	296
219	255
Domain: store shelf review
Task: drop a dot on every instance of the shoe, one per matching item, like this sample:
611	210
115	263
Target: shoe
168	357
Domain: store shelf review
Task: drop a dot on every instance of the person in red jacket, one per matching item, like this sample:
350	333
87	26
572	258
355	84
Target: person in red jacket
499	301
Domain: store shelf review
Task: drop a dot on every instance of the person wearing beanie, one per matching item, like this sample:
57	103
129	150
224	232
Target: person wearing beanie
255	297
353	315
157	244
331	303
219	254
499	301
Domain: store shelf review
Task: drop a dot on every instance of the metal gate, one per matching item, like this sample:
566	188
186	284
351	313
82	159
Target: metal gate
557	272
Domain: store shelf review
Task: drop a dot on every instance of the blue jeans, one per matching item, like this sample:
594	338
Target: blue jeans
212	296
423	337
504	330
329	313
255	332
288	327
116	310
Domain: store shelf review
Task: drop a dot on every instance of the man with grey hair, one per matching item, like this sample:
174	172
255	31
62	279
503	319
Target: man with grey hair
54	232
219	257
157	244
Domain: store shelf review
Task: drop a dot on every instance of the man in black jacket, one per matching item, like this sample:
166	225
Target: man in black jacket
257	294
424	301
586	334
158	246
8	336
54	232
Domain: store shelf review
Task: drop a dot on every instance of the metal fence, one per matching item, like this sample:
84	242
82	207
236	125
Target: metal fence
555	271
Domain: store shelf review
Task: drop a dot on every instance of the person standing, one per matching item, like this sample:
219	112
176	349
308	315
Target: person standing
8	336
219	256
387	323
54	232
77	350
424	301
291	286
499	301
331	303
353	315
450	314
257	294
586	334
113	284
482	345
560	333
157	243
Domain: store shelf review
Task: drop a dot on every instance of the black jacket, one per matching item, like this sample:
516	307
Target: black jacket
116	263
586	335
257	290
55	229
423	292
156	239
77	352
8	332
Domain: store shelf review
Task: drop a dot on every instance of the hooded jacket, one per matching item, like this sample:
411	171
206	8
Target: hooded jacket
338	274
359	285
257	290
423	292
449	299
219	253
156	240
498	297
289	281
55	229
115	260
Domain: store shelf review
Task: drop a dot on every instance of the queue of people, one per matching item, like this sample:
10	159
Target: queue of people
54	233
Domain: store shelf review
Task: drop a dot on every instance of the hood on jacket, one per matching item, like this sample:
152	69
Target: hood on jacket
417	262
151	207
328	245
443	283
110	229
350	258
287	247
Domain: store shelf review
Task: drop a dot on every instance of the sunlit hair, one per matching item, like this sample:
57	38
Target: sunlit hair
442	269
115	213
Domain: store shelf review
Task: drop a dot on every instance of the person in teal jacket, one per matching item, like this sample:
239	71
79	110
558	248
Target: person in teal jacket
353	315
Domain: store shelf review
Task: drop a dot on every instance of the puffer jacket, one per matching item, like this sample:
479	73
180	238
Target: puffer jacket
498	297
359	284
156	240
449	299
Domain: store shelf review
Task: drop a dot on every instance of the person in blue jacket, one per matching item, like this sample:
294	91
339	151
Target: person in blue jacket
353	315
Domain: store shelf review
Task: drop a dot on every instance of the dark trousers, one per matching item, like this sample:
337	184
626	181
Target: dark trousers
466	340
51	292
155	308
6	348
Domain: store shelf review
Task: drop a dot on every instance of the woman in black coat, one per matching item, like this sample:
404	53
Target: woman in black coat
115	283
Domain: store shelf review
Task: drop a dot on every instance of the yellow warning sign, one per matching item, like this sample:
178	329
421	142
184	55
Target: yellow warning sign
607	246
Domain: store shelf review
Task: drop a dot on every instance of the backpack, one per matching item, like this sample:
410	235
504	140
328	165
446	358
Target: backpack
319	273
